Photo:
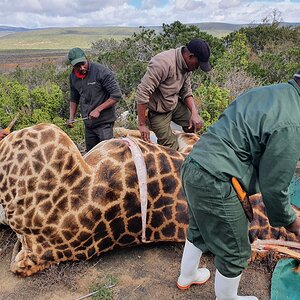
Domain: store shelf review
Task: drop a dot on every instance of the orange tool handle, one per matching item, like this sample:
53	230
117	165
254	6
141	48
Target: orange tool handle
6	130
11	124
238	188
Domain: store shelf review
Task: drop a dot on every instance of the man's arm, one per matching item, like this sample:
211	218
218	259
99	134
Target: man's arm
294	227
196	121
3	134
276	169
109	83
155	74
143	128
73	110
94	114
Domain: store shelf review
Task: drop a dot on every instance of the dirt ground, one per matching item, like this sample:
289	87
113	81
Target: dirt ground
9	60
144	272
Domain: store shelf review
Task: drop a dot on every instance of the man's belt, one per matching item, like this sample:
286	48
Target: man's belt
244	199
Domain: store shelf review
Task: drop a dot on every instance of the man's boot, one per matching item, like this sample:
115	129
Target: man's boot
226	288
189	272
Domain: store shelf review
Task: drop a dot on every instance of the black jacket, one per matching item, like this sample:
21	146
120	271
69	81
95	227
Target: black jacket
98	86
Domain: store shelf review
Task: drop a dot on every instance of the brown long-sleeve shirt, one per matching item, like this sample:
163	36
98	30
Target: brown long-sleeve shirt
167	78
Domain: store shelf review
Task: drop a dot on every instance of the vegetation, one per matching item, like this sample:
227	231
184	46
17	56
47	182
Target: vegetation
83	37
102	290
264	54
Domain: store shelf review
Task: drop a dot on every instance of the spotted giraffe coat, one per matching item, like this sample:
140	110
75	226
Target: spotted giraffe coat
67	207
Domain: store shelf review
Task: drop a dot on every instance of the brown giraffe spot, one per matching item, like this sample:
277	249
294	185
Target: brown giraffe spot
70	177
48	135
169	184
112	212
131	181
70	223
157	219
151	167
169	230
134	224
37	167
31	184
163	202
154	189
21	157
168	213
100	231
49	152
118	227
132	204
54	217
38	155
30	145
126	240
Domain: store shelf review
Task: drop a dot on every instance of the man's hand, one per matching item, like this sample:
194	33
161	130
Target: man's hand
145	133
196	122
94	114
294	227
3	134
70	123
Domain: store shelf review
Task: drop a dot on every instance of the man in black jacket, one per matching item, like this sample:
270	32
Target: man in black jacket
95	88
3	134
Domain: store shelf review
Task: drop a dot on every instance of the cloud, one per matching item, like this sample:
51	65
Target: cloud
72	13
229	4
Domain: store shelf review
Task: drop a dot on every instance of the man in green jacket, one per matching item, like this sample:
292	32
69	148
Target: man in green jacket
165	91
257	141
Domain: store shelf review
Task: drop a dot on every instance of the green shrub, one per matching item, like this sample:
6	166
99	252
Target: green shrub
212	100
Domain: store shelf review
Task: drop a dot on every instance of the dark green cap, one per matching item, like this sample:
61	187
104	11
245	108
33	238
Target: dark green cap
75	56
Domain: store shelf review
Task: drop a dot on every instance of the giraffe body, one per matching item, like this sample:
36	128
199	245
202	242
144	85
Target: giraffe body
67	207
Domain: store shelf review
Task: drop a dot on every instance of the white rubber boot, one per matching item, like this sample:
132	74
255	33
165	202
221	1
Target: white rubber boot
189	272
226	288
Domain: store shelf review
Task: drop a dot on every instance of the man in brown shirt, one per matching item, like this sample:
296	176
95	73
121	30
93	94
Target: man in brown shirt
165	90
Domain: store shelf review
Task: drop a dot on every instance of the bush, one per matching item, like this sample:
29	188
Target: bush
212	100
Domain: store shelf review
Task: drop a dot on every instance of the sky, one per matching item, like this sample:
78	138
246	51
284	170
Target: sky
98	13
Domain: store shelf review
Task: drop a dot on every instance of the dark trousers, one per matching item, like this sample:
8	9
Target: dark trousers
93	136
160	124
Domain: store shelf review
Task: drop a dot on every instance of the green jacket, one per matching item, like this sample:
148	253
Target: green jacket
257	140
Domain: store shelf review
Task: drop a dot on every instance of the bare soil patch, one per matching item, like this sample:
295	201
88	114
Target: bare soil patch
144	272
25	59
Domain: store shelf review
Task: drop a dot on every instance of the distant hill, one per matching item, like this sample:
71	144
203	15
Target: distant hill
13	29
62	38
20	38
4	30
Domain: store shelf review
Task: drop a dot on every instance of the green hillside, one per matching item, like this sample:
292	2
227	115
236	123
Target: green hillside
66	38
18	38
62	38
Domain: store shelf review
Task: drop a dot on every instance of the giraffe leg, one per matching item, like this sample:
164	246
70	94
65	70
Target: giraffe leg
23	262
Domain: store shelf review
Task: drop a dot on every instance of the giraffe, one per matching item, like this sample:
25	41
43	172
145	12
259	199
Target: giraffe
185	140
65	206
